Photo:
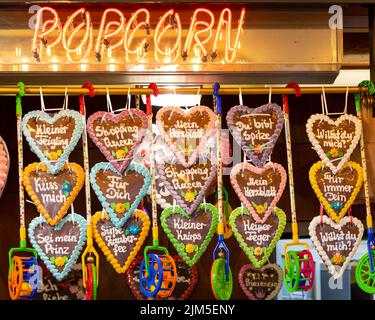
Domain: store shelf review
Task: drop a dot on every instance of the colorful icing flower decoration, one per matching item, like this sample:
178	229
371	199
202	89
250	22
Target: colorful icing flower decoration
121	153
134	229
53	155
189	196
258	251
66	188
59	261
336	205
338	259
260	208
119	207
190	248
257	149
334	153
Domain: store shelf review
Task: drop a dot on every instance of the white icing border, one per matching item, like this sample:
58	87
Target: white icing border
319	149
327	220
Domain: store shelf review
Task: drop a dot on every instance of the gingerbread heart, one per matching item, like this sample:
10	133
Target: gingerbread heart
70	288
187	185
53	138
4	165
336	192
260	283
117	136
58	246
256	130
257	240
120	245
119	193
190	235
336	243
259	189
187	280
186	131
53	194
334	141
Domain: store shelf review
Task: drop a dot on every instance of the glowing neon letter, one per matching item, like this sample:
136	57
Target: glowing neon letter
47	28
230	51
174	23
194	33
103	35
141	49
84	46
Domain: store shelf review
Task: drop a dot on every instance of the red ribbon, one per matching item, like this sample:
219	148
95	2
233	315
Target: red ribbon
297	89
82	107
155	92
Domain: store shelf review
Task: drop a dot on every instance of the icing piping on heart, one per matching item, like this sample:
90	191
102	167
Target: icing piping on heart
318	148
133	282
70	218
121	268
179	200
103	166
239	169
180	247
38	166
323	200
183	113
250	251
141	132
59	163
246	290
319	248
258	157
4	165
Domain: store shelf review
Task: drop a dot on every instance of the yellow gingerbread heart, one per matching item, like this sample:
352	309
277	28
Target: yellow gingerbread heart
120	245
53	194
336	192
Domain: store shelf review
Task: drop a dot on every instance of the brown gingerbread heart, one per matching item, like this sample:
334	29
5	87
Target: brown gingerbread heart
260	283
53	194
186	131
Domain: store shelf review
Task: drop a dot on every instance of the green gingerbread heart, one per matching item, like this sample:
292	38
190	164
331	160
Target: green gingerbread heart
190	234
256	239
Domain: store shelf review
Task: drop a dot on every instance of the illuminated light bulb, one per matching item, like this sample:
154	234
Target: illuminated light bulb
25	67
131	30
195	34
55	67
161	28
104	36
112	67
49	51
83	66
230	50
40	34
85	44
196	67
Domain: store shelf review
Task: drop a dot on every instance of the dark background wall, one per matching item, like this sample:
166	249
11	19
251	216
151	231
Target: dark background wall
113	285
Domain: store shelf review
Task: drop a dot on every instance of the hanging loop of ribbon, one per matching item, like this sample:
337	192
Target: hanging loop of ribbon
155	92
297	89
19	95
218	97
90	87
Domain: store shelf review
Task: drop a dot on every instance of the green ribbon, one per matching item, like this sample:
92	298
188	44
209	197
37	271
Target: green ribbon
19	95
371	89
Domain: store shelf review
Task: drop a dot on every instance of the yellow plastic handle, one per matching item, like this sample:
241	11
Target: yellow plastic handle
369	221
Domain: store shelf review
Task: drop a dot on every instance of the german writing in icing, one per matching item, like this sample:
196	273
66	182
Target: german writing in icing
116	239
255	128
257	232
194	228
52	137
117	188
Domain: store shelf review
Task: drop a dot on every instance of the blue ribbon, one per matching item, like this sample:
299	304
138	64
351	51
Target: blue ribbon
218	97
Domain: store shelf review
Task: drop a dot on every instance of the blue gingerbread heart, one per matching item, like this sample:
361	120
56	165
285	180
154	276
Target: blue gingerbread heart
119	193
53	138
58	246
